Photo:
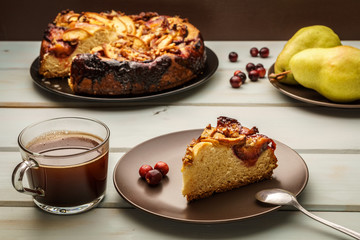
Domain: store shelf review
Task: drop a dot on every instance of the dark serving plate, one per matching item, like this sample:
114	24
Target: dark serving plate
166	200
60	86
308	95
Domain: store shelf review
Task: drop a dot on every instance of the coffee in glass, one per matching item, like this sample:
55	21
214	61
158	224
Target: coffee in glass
66	162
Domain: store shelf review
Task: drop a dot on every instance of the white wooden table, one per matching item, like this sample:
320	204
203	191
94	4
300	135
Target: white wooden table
328	139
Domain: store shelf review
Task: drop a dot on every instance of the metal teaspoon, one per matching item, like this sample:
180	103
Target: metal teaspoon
282	197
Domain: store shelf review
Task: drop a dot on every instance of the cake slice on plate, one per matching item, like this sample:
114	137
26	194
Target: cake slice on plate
226	157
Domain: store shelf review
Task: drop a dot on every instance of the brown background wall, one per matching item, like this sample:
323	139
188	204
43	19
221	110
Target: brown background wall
216	19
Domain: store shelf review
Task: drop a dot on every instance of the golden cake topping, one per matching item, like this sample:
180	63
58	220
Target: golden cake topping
142	37
246	143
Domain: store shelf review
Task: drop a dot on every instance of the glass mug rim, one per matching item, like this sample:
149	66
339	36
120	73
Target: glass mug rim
36	154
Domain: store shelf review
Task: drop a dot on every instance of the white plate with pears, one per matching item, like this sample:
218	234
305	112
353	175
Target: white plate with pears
308	95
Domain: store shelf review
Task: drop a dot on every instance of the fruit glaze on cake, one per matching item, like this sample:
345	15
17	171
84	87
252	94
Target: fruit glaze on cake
111	53
226	157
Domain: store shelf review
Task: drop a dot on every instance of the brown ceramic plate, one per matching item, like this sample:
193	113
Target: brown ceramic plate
166	200
60	86
308	95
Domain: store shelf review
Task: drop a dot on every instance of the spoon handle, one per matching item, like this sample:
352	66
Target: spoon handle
347	231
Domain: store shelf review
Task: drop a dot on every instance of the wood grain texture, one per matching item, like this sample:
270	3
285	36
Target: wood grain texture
33	224
300	128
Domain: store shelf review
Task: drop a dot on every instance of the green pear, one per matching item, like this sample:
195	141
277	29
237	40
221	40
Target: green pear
307	37
333	72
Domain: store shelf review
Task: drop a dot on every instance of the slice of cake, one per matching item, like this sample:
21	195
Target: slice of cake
226	157
71	34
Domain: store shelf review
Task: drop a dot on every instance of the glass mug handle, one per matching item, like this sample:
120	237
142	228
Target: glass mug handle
18	175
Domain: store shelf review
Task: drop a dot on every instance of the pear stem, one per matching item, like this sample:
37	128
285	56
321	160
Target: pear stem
279	76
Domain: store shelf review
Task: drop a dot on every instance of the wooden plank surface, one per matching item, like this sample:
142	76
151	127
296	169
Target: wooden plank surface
299	128
333	183
33	224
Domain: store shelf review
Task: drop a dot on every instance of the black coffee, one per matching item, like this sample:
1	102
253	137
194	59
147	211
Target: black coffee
66	182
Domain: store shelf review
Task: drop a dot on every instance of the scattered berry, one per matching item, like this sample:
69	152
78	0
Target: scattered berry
258	65
235	81
233	56
249	67
153	177
162	167
253	75
242	76
237	72
254	52
144	170
261	71
264	52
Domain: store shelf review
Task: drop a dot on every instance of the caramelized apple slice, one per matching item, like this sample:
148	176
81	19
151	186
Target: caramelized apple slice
157	22
140	31
130	25
164	41
120	26
96	18
63	20
137	43
96	49
147	38
90	28
110	51
75	34
192	32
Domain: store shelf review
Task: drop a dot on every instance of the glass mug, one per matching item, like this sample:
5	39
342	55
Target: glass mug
65	161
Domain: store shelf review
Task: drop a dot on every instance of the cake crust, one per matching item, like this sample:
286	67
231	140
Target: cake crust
225	157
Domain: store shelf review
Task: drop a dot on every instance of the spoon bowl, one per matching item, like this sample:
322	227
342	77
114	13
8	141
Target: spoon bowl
277	196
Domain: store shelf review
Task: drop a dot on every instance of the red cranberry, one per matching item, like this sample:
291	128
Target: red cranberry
264	52
144	170
153	177
259	65
242	76
261	72
162	167
249	67
233	56
235	81
253	75
237	72
254	52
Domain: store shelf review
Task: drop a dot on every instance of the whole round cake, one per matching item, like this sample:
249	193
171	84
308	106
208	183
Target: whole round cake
113	54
